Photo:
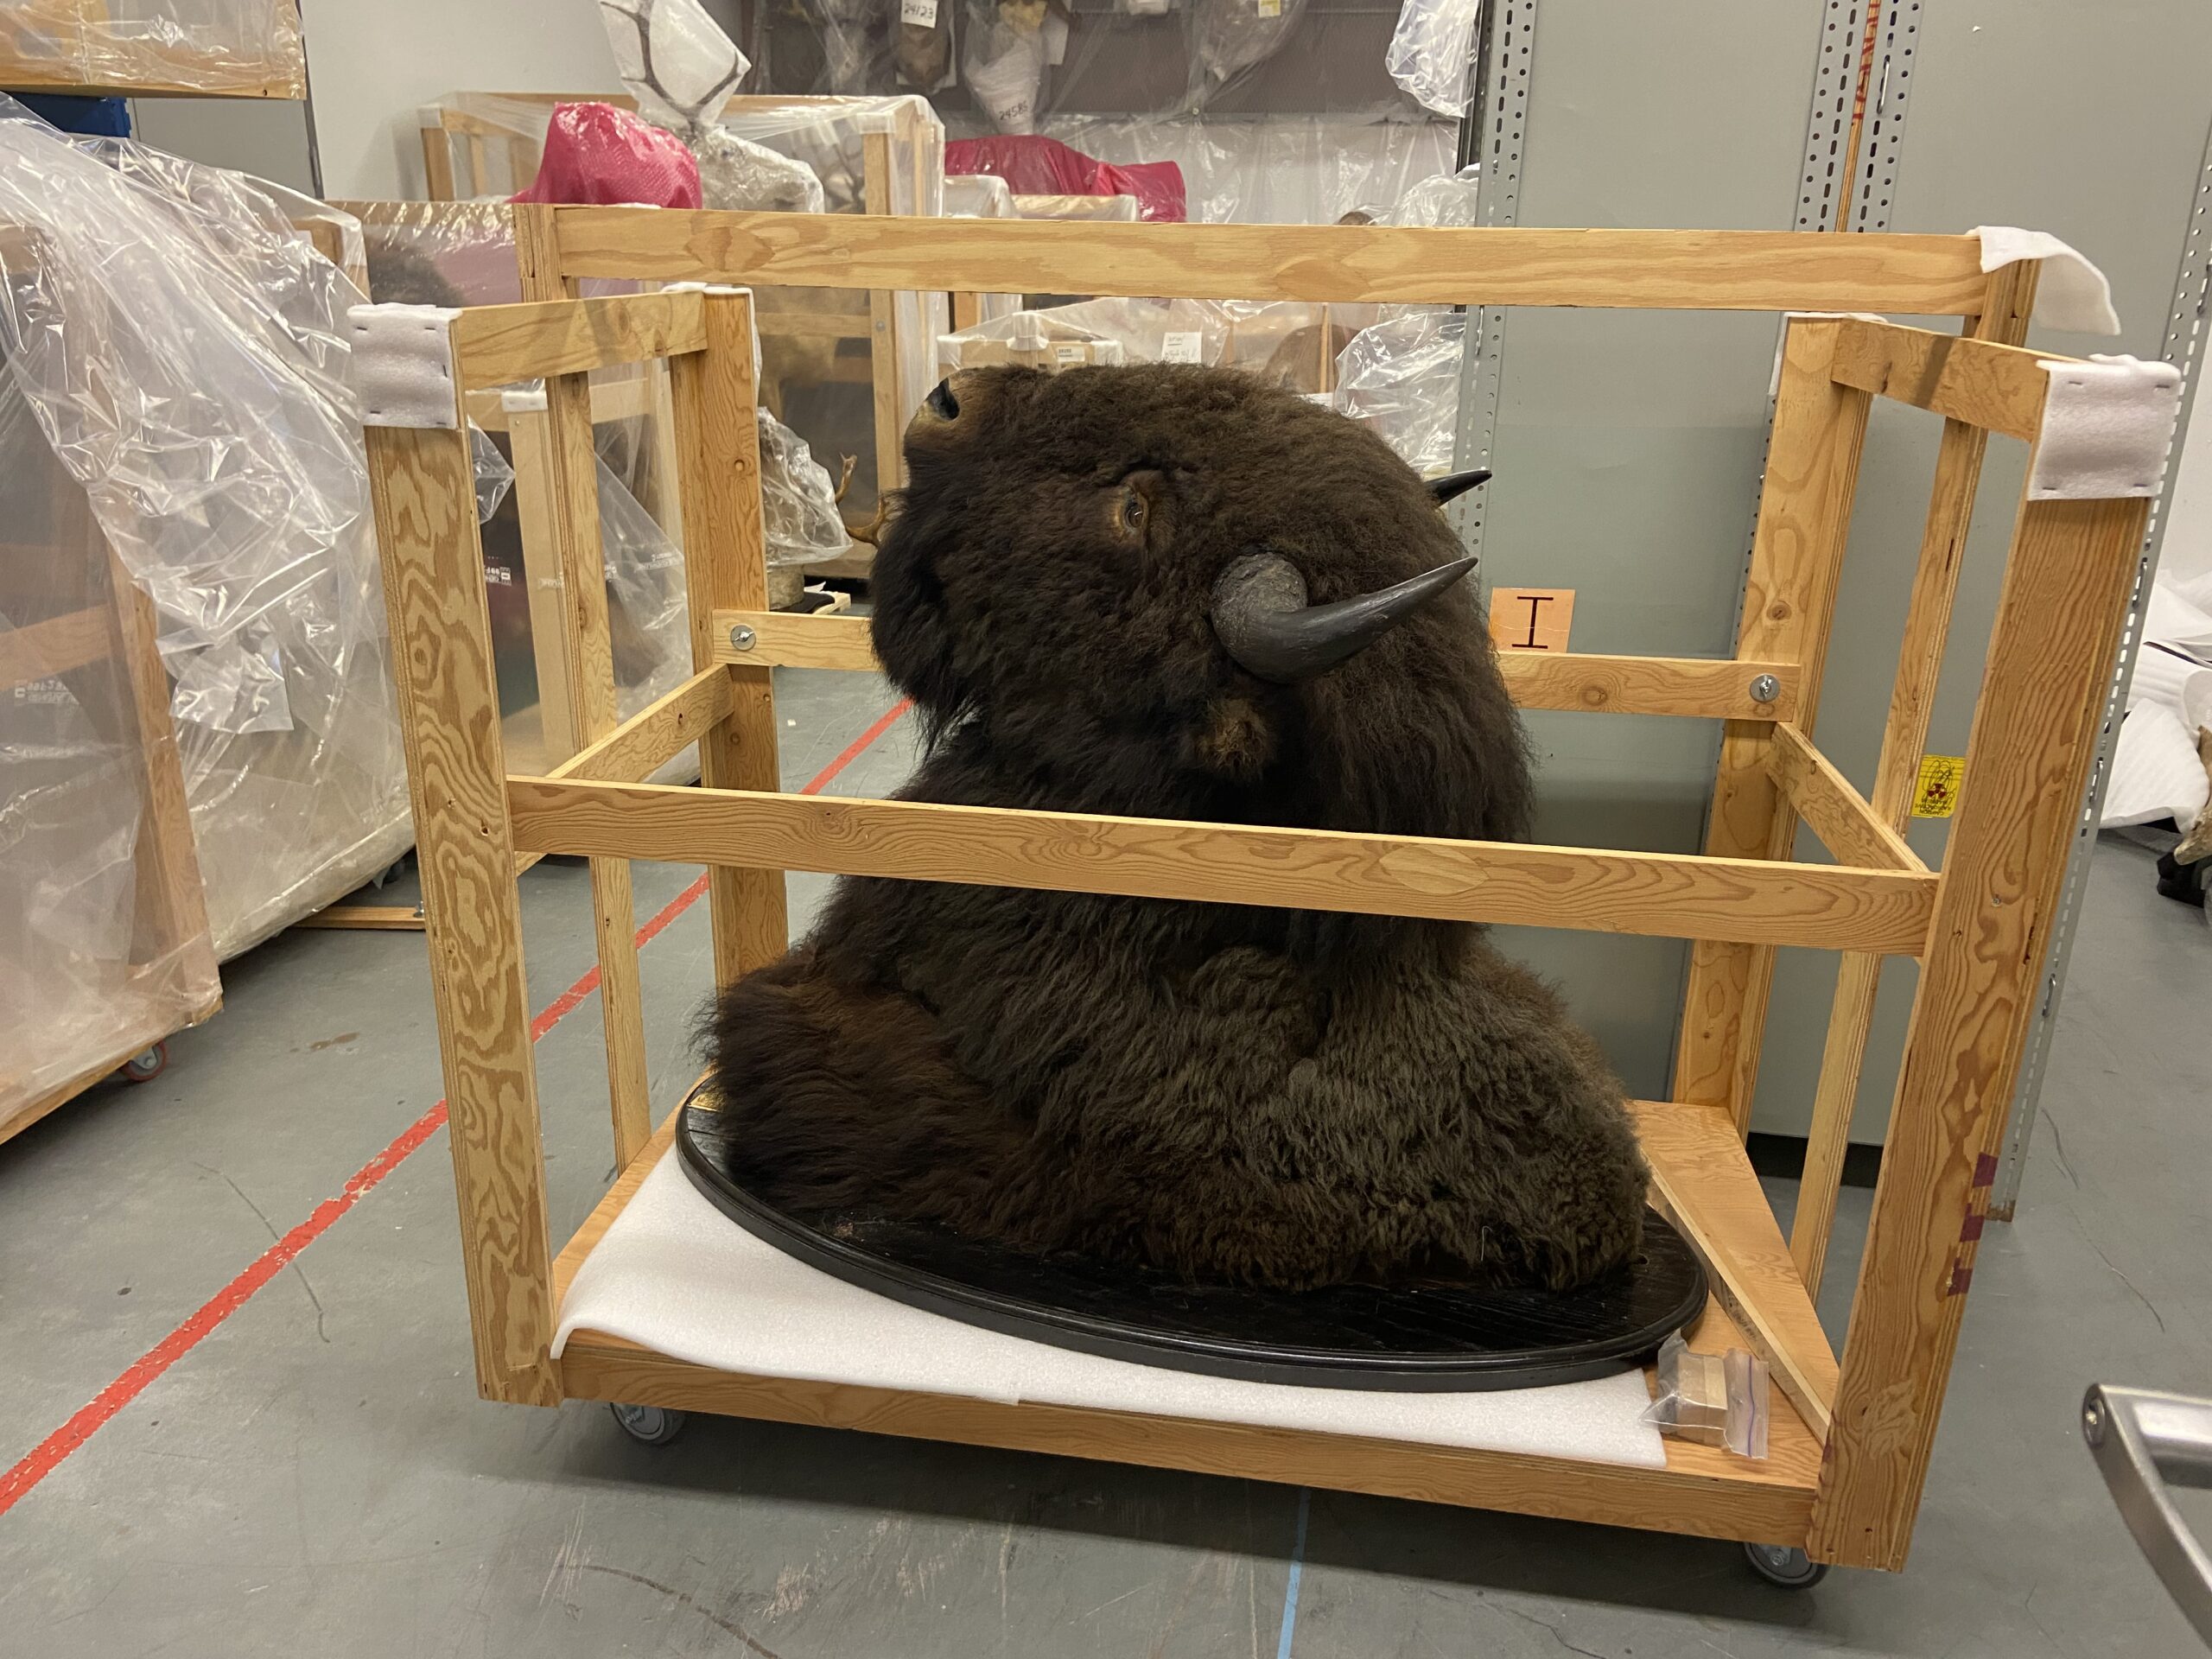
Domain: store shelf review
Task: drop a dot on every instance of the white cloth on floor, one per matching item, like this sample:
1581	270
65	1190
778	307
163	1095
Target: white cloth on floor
2156	770
676	1275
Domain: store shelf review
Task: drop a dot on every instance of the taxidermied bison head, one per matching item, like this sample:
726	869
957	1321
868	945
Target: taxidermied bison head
1177	592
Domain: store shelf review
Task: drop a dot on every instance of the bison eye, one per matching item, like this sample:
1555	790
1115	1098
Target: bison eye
1132	513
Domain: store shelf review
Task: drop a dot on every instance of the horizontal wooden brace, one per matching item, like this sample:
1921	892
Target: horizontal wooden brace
657	733
1714	688
1844	819
1997	388
814	325
39	650
611	400
1667	895
1698	271
498	345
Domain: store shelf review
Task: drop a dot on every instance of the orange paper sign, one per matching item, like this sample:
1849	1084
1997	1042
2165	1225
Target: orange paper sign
1530	618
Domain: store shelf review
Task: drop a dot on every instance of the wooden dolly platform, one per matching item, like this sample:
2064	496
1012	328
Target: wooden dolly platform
1851	1446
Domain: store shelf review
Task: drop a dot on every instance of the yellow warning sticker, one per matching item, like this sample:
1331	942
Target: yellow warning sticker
1936	794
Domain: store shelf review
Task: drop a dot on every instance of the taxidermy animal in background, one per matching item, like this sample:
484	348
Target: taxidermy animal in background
1174	592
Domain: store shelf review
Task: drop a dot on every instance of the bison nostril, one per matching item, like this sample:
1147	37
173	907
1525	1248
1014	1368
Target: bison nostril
943	403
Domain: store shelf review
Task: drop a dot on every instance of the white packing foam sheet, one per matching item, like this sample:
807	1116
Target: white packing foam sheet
402	364
676	1275
2071	294
2108	428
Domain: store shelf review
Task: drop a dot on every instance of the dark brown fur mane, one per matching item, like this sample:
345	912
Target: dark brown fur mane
1234	1092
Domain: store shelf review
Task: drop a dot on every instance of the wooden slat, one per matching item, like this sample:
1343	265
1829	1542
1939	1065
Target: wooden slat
1804	519
437	164
2004	318
1702	1181
1721	270
1702	1491
529	443
38	650
1839	814
166	861
1671	894
814	325
423	488
1742	1501
1997	388
573	499
611	400
374	918
2066	587
656	734
726	568
883	326
1714	688
498	345
537	253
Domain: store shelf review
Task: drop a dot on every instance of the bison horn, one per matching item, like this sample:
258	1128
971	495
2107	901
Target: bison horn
1457	484
1262	618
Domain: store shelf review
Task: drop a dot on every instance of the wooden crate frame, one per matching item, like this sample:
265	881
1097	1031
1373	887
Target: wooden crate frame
1851	1438
543	278
155	69
166	863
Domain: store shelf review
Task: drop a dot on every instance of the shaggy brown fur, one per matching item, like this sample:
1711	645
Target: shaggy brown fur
1265	1095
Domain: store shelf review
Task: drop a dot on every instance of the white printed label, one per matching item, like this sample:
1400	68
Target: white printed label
1066	354
1180	346
920	13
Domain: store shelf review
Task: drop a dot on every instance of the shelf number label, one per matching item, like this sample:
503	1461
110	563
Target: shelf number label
1530	618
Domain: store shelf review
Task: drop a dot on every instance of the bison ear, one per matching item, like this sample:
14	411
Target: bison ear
1262	618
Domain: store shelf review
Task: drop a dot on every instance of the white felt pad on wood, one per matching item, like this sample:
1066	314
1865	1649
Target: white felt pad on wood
676	1275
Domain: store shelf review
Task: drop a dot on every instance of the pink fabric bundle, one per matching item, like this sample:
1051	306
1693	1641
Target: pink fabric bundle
597	154
1035	166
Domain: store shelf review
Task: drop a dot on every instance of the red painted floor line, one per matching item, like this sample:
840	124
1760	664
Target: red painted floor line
46	1457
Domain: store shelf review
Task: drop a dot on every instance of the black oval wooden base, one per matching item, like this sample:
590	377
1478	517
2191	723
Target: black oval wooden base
1433	1337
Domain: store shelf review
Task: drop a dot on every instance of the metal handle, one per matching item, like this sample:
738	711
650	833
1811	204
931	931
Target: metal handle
2142	1440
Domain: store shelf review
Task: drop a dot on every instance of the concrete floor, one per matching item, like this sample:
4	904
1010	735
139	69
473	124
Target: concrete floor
316	1476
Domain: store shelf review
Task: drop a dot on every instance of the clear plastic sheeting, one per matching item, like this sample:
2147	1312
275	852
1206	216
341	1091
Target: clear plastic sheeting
1432	52
1281	169
1288	343
442	253
1402	377
249	47
1016	66
101	952
184	353
674	58
797	500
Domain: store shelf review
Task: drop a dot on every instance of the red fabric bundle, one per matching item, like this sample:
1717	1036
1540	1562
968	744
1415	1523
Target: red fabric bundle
597	154
1034	166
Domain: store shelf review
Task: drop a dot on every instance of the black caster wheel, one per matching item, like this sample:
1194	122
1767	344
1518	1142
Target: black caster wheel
649	1425
1793	1569
146	1064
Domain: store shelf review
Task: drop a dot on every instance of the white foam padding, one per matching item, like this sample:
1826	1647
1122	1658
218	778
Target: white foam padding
676	1275
402	364
2108	428
2070	293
